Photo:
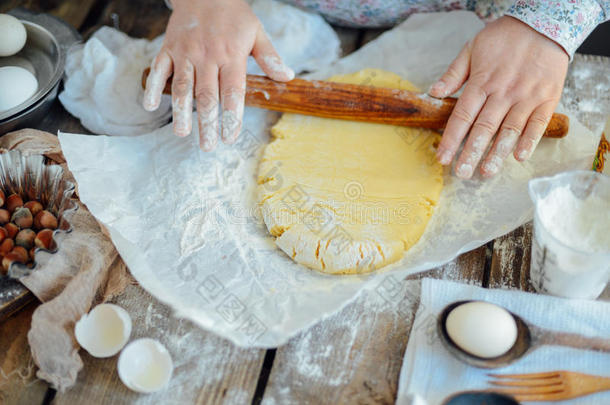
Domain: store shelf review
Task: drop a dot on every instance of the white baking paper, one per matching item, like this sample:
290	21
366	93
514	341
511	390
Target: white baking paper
186	222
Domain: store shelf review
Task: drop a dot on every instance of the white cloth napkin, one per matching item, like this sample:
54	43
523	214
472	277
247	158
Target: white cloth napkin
102	85
431	371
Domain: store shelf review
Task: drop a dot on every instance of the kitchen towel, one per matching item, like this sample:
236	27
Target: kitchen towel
430	371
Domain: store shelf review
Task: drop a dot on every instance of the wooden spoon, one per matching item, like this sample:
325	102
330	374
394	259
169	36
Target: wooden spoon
357	103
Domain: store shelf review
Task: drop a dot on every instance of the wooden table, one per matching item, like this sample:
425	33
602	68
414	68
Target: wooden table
353	357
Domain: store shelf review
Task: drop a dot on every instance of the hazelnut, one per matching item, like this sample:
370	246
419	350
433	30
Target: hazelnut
5	216
25	238
44	219
32	253
12	230
44	239
22	217
2	198
22	253
6	246
34	206
3	234
13	202
9	259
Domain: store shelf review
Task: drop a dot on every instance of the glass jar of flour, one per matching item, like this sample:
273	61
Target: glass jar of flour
571	243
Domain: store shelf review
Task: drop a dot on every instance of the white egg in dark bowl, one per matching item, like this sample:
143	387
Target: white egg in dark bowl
18	85
47	40
12	35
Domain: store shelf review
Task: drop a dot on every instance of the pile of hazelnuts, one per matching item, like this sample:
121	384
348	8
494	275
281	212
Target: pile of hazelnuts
24	227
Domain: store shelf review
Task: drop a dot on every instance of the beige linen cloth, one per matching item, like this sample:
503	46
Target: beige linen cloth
86	270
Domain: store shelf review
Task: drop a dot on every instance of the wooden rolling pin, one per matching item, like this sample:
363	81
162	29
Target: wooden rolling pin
357	103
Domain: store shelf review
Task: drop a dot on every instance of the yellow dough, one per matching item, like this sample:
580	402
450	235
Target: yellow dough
348	197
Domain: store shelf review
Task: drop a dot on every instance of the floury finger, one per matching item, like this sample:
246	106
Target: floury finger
182	98
160	71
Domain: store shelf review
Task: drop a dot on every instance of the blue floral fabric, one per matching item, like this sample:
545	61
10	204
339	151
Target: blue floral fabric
568	22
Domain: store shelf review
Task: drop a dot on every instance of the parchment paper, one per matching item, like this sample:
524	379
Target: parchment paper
186	222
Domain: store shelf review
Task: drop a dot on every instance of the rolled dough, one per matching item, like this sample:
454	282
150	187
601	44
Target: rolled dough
348	197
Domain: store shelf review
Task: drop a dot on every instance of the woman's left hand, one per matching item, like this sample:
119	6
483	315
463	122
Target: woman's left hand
514	77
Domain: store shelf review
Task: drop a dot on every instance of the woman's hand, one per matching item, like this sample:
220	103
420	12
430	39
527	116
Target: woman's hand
514	77
206	47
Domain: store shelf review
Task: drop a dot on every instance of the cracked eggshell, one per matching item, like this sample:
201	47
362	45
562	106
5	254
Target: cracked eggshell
145	366
104	331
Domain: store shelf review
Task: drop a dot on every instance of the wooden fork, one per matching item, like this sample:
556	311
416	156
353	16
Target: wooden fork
550	386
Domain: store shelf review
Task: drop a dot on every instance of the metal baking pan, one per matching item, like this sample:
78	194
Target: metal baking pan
32	179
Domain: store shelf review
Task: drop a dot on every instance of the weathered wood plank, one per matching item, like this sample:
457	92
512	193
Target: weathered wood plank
9	5
349	38
34	5
207	370
58	119
18	382
371	35
73	12
140	19
356	355
510	264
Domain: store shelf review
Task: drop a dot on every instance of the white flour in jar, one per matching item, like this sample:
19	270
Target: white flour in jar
582	224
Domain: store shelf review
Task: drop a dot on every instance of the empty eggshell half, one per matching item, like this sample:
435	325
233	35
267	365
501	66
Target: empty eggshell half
104	331
145	366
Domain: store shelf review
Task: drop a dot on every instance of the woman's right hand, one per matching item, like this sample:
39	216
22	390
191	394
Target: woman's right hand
206	47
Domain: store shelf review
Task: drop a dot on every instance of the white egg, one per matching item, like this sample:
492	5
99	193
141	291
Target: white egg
482	329
145	366
12	35
17	85
104	331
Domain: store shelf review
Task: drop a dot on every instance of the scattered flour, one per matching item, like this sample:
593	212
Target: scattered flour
579	223
277	67
590	106
438	102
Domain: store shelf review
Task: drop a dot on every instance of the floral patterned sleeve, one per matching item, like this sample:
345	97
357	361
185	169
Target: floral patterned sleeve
567	22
